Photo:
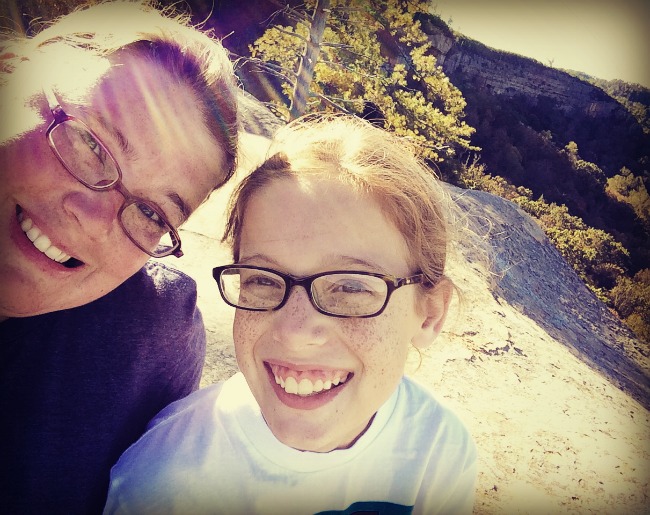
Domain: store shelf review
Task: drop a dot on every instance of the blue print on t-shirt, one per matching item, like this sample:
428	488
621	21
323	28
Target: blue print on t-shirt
372	508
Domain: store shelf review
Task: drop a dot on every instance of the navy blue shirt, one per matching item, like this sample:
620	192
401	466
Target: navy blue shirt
78	386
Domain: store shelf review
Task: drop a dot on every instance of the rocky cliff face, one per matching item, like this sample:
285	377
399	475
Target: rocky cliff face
509	75
541	98
529	274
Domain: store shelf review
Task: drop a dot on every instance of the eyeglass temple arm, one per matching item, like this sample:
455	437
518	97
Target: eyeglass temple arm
410	280
53	103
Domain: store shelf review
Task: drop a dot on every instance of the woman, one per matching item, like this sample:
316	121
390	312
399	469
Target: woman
117	123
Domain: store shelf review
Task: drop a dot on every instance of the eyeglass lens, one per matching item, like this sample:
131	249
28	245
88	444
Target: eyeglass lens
346	294
89	161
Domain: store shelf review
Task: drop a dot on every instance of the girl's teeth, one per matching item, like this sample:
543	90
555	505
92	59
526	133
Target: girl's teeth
318	385
306	387
291	385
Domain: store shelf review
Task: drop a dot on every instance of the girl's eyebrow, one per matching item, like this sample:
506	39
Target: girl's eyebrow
332	258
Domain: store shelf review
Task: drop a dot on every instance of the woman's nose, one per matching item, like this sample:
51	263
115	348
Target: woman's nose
298	323
95	211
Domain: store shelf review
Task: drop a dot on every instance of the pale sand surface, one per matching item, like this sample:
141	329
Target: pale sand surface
554	436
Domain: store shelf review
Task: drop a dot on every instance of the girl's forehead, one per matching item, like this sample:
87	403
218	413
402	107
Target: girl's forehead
314	218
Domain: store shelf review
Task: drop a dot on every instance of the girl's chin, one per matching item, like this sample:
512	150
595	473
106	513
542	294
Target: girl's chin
299	443
306	435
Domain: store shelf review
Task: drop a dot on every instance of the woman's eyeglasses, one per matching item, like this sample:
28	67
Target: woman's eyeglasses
86	158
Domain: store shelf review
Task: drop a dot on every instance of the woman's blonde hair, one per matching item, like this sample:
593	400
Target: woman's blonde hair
111	28
373	162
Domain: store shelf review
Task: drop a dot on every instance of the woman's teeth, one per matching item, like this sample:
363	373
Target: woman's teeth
306	386
41	241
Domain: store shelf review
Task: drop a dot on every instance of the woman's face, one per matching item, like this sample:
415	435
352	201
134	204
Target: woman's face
152	126
303	228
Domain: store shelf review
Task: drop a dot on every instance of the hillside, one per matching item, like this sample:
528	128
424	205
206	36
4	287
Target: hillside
575	150
555	390
526	113
606	133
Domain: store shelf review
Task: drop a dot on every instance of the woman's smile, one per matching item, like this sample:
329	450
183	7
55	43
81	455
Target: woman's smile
43	243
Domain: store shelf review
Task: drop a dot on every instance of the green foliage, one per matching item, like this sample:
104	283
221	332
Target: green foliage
634	97
375	53
474	176
593	253
631	299
600	258
628	188
589	172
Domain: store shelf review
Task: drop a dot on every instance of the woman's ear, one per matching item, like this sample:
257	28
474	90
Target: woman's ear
433	305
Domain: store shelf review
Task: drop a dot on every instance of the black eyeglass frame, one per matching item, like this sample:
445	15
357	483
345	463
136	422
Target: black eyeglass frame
392	284
60	117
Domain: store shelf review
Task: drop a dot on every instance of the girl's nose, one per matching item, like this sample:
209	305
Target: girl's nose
297	323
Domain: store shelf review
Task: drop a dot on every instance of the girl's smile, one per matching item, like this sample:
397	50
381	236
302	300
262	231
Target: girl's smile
307	387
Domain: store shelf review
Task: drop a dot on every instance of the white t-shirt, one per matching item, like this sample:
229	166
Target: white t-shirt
213	453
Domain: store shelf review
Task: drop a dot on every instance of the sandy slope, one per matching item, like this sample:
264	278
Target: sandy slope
554	435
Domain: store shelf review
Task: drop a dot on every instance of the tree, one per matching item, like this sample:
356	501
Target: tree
371	53
628	188
308	60
631	298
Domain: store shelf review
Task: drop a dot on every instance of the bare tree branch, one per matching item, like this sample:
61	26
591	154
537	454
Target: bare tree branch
309	59
292	34
275	70
290	12
330	102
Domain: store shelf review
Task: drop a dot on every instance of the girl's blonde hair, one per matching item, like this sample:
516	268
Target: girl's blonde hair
112	28
370	160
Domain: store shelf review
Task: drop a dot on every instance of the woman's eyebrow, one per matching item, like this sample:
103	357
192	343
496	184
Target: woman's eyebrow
183	207
114	132
127	149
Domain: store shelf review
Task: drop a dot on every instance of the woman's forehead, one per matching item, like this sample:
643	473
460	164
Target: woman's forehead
159	120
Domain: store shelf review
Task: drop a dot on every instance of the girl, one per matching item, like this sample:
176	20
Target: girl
339	244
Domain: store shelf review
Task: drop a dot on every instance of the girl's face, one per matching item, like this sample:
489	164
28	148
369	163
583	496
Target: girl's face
302	228
152	125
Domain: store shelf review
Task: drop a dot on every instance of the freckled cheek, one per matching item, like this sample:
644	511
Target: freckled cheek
378	344
247	331
33	166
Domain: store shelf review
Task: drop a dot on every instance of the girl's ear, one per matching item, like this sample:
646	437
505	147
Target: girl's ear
434	305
